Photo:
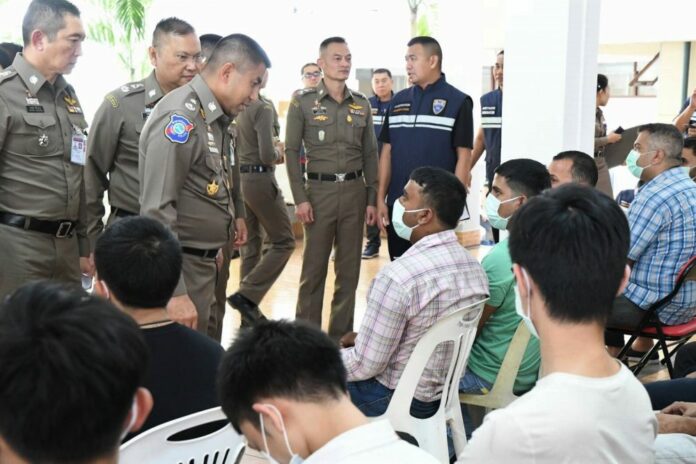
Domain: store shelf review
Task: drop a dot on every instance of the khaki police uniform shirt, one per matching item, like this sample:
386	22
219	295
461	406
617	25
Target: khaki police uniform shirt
338	138
256	134
42	148
112	152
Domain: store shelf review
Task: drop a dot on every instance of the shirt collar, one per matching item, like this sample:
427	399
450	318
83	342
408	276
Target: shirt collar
211	108
323	92
373	435
439	82
32	78
439	238
153	91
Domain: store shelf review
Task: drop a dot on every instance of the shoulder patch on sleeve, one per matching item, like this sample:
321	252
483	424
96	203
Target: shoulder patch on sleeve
178	129
6	74
112	99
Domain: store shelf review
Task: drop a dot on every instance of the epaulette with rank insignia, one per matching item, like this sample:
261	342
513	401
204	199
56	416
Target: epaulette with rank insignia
132	87
7	73
358	94
305	91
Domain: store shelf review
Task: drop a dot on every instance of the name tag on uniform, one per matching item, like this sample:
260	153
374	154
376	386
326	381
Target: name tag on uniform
77	154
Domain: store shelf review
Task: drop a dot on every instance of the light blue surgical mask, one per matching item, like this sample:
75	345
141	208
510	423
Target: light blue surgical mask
527	318
492	206
632	163
401	229
294	457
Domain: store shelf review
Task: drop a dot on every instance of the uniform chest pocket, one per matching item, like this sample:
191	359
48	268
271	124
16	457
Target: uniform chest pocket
358	124
320	130
39	135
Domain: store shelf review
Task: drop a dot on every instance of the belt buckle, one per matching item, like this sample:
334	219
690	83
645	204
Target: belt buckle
341	177
64	229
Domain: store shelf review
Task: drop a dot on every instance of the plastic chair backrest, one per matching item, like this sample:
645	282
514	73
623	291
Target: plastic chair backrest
458	327
502	393
223	446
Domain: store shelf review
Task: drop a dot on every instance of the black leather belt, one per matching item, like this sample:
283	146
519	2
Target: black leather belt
338	177
200	253
118	212
247	168
59	229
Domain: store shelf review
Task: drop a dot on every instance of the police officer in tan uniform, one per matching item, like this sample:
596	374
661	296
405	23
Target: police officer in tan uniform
335	124
42	153
266	215
112	154
185	165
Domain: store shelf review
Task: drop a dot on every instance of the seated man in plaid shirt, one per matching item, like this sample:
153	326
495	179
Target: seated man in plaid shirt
435	277
662	218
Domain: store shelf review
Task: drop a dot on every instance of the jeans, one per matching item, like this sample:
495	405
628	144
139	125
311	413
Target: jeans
372	398
665	392
472	384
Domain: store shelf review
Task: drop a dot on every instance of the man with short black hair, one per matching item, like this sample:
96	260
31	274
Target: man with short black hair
112	154
689	153
515	182
435	277
428	124
339	194
42	148
208	42
663	235
189	178
71	382
283	385
568	248
382	84
138	263
310	74
573	166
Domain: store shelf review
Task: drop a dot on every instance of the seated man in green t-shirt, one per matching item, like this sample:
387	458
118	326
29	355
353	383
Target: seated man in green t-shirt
514	183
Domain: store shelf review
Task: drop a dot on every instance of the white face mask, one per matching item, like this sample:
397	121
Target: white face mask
294	458
133	418
527	318
401	229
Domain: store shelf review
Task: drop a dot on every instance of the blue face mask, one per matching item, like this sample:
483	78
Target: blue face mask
401	229
492	207
520	310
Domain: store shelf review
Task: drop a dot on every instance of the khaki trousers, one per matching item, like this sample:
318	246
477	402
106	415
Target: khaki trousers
603	182
26	255
265	209
339	216
200	275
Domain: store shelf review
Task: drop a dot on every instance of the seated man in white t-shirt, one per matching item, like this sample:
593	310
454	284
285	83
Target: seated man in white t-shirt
283	385
568	247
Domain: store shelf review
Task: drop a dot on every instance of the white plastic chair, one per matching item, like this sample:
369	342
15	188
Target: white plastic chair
431	433
224	446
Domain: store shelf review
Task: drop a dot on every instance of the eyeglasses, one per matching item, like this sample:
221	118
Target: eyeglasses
310	75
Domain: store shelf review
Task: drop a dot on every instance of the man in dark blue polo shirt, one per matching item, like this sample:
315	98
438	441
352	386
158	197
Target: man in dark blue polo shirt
490	133
382	84
427	124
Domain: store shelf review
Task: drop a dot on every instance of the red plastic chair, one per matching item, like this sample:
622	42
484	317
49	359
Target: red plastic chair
650	326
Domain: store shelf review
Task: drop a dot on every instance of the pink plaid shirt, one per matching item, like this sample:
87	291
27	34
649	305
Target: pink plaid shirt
433	278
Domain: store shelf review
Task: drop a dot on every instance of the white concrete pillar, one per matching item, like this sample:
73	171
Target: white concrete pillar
550	77
462	46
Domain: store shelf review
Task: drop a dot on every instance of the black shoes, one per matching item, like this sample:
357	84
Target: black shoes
251	314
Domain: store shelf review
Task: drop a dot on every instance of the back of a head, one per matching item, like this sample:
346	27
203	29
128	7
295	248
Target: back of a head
665	137
280	359
139	259
46	16
584	170
173	26
573	241
208	42
443	192
431	46
71	365
239	49
8	51
524	176
602	82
